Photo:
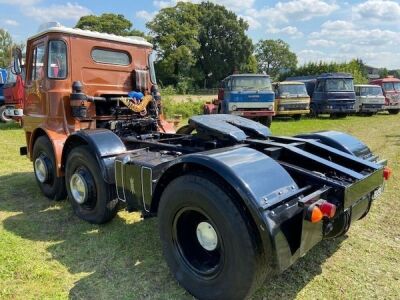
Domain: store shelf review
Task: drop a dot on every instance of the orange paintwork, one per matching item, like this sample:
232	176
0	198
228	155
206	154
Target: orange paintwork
47	107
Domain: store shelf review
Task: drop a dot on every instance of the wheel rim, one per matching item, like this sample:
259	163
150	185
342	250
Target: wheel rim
41	169
198	243
79	188
83	188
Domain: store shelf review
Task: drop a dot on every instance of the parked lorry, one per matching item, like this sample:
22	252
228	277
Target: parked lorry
3	78
369	99
331	93
235	204
391	90
246	95
13	91
291	99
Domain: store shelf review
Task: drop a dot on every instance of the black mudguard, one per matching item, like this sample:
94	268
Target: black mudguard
341	141
104	144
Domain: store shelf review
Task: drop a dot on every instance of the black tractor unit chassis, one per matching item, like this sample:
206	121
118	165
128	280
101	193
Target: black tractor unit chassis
235	204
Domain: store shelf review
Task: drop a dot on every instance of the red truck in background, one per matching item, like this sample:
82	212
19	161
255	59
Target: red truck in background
14	94
391	90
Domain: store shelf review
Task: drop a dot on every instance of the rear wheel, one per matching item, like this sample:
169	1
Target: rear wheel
92	199
44	165
313	111
3	116
394	111
206	240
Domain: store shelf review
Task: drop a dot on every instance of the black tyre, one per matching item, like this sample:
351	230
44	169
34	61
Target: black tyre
297	117
393	111
267	121
338	115
3	117
206	240
313	111
44	165
92	199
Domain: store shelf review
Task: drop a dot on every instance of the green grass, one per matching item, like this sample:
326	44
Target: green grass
46	252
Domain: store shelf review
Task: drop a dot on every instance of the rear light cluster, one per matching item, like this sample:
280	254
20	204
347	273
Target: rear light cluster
387	172
319	210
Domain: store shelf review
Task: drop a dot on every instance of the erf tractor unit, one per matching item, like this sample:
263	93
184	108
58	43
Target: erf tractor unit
235	204
369	99
246	95
391	90
331	93
291	99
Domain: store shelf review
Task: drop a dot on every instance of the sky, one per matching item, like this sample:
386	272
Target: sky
316	30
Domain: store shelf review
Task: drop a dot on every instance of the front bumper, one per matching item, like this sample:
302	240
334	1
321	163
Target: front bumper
370	107
253	113
12	111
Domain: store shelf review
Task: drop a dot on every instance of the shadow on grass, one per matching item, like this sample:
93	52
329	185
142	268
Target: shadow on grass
121	259
393	139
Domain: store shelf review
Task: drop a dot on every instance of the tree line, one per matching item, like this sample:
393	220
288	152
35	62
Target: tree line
197	45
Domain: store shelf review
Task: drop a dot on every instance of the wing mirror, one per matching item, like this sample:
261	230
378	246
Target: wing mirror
17	61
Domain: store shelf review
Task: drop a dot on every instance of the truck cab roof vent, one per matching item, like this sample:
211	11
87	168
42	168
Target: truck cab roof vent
48	25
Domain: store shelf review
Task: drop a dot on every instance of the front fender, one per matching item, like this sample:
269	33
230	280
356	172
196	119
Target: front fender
104	144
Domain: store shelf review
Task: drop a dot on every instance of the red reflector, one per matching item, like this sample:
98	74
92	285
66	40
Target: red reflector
387	172
328	209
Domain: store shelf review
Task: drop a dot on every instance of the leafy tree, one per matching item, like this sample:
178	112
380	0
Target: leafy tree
383	73
225	47
354	67
174	33
274	57
6	44
204	42
108	23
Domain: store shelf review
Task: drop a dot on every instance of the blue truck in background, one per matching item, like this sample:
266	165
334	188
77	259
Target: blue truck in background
331	93
246	95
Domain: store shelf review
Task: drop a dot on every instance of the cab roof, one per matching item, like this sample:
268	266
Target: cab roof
289	82
247	75
367	85
58	28
386	79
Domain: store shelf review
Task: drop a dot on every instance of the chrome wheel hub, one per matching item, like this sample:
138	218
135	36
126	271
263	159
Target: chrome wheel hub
79	188
207	236
41	171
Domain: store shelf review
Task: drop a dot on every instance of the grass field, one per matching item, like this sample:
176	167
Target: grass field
46	252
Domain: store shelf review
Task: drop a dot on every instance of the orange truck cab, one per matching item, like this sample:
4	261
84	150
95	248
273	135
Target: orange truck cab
104	66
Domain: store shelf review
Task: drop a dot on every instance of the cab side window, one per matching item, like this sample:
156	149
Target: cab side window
37	71
57	60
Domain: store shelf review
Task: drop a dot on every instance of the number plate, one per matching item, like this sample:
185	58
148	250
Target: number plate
377	193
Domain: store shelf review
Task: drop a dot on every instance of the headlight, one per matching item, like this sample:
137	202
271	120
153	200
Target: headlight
281	108
234	107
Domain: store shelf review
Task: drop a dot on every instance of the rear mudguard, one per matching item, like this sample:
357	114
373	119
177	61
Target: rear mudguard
103	143
259	181
341	141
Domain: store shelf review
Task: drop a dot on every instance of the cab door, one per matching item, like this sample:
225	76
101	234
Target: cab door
35	83
227	95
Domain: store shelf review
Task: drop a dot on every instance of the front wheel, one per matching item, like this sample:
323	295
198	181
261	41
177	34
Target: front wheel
394	111
44	165
313	111
92	199
297	117
206	240
267	121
